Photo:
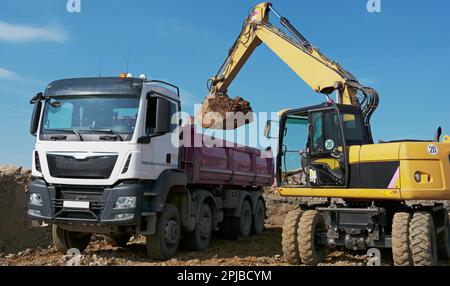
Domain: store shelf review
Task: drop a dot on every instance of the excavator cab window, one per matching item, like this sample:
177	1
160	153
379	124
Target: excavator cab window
327	149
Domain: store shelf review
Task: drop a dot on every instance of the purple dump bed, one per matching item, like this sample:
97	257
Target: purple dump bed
233	166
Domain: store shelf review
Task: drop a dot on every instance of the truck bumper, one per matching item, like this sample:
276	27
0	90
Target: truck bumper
97	205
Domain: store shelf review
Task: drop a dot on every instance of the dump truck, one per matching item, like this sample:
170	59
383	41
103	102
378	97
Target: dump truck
383	195
113	157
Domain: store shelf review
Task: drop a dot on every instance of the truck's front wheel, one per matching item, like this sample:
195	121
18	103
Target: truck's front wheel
65	240
164	243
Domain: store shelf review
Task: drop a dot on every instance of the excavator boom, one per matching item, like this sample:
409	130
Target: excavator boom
320	73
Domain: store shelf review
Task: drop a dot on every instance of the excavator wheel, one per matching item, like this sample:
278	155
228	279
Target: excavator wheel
422	236
444	242
401	249
312	250
290	237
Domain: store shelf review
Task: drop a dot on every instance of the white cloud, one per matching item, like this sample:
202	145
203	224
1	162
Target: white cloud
7	74
21	33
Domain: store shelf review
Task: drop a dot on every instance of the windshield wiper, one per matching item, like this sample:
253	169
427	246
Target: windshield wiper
115	133
66	131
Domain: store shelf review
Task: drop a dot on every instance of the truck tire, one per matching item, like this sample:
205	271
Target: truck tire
422	236
290	237
200	238
245	220
119	240
234	227
401	249
443	242
164	243
311	250
259	218
65	240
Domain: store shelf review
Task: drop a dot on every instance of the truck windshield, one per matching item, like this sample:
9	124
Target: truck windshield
113	115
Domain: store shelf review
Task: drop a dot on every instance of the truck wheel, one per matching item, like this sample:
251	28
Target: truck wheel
401	249
164	243
65	240
119	240
312	250
245	221
259	218
200	238
422	236
443	242
290	237
234	227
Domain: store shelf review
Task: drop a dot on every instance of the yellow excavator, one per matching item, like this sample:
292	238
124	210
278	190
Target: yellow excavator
381	195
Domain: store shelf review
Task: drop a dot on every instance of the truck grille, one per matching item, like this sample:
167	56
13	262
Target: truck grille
93	195
91	167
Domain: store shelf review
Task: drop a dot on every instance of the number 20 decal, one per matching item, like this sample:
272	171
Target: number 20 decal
433	149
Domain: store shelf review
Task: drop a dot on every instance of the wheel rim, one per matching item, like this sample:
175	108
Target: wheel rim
171	232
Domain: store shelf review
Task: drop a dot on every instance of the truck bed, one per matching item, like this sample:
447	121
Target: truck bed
226	166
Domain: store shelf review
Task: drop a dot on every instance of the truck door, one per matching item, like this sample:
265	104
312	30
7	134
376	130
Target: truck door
327	149
160	154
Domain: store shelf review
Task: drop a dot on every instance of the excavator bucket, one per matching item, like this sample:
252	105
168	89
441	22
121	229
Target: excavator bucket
223	113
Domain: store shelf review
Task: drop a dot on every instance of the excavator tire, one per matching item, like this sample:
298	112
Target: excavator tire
401	249
422	236
443	242
290	237
311	251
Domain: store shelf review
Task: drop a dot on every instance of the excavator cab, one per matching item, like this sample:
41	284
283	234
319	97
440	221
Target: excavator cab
313	144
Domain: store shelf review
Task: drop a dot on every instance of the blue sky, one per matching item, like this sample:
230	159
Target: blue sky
403	52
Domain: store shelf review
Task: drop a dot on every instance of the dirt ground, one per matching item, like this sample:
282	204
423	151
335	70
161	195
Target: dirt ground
25	246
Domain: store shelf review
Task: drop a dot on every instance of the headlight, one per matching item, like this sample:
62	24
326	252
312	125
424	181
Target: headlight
123	216
34	213
36	199
125	203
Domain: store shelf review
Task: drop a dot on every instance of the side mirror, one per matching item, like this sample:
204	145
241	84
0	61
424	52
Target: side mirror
35	118
162	116
268	128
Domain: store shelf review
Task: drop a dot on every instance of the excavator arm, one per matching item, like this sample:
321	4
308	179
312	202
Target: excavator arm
320	73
